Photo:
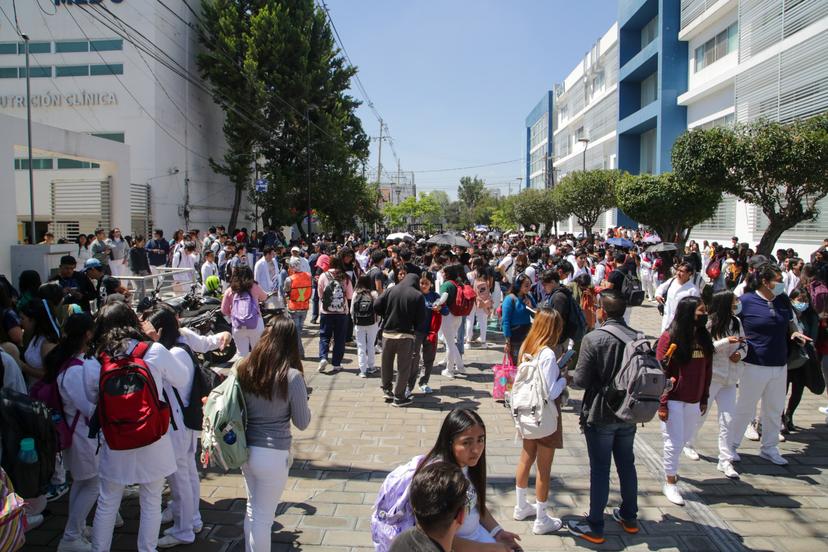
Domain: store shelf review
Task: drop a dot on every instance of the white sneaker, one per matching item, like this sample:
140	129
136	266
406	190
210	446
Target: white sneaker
727	468
671	491
408	392
448	374
735	458
377	349
336	369
774	456
523	512
823	409
363	375
691	453
460	370
168	541
119	521
426	390
77	545
166	515
782	438
750	433
548	525
322	365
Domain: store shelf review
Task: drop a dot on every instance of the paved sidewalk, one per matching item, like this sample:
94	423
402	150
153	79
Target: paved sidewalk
356	439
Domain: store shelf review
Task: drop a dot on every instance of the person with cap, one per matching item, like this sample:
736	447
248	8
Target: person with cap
298	291
75	283
304	265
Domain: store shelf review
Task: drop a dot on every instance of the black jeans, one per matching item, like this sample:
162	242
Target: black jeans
428	351
603	443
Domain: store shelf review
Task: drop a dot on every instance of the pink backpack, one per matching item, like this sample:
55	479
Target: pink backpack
49	394
484	296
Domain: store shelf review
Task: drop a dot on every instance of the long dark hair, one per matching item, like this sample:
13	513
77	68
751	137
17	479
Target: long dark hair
516	283
721	314
766	271
72	342
686	334
117	324
242	279
268	363
165	321
458	421
45	324
29	281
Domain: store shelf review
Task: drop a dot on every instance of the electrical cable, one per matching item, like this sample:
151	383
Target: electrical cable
44	11
469	167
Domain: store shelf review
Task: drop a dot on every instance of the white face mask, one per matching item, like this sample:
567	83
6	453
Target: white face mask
737	309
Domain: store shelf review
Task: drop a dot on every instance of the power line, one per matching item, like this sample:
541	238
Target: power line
469	167
44	11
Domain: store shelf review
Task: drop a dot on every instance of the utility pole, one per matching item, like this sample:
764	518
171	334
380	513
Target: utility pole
307	124
399	180
32	240
186	136
379	157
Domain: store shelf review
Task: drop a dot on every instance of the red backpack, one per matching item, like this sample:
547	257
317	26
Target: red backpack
464	300
819	296
714	269
130	411
49	394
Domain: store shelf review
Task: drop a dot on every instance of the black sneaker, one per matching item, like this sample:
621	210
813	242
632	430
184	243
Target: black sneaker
389	396
402	402
629	525
580	528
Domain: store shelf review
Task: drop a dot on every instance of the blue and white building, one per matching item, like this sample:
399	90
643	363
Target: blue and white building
539	143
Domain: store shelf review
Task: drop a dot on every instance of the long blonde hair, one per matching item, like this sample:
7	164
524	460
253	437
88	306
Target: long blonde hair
545	332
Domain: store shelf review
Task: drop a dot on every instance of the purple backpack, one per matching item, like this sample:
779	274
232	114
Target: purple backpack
392	511
49	394
245	312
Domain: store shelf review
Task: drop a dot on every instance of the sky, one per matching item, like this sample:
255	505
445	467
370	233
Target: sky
455	79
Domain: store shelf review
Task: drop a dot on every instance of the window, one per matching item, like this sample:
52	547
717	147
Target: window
563	114
35	47
717	47
649	32
648	152
8	48
36	72
37	164
71	46
8	72
597	85
75	164
725	121
107	69
649	90
114	136
106	45
72	71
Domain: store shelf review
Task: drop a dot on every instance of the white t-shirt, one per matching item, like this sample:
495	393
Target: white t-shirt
675	293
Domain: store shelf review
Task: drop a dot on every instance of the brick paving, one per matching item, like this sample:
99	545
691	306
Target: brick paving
355	439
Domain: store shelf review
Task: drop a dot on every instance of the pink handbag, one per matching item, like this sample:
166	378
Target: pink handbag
504	376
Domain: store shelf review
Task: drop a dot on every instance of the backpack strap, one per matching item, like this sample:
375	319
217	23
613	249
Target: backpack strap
140	350
620	335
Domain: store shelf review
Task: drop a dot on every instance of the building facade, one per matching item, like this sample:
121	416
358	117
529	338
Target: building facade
86	78
749	60
539	143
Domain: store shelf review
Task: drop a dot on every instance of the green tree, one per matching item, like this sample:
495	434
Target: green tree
587	194
224	27
412	209
780	167
533	206
669	206
471	191
505	216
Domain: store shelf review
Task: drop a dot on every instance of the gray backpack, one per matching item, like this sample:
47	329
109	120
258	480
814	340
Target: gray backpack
634	392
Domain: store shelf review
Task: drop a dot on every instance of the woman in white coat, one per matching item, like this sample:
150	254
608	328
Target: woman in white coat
161	325
119	332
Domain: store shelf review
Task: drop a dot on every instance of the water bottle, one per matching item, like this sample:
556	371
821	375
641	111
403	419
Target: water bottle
230	437
27	453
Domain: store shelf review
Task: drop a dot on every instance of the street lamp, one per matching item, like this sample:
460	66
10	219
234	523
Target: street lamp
308	109
586	145
32	240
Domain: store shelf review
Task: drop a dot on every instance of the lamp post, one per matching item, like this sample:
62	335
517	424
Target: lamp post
586	145
32	239
308	109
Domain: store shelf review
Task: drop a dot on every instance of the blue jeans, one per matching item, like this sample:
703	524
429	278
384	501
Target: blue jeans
298	318
603	443
461	336
314	303
332	327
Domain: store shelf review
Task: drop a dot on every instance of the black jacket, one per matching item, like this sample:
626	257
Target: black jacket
401	307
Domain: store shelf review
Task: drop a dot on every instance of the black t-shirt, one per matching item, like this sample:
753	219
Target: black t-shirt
415	540
616	278
376	274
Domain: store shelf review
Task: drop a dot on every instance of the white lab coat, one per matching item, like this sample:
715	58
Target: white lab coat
78	385
262	275
157	460
181	259
675	293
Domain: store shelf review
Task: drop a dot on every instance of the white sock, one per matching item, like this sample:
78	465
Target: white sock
521	496
540	510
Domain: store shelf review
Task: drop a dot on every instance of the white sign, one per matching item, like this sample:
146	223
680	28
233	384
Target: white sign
49	99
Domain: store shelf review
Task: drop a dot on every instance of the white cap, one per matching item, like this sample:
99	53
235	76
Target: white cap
294	248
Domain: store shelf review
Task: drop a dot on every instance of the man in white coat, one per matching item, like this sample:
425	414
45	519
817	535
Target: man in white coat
674	290
266	271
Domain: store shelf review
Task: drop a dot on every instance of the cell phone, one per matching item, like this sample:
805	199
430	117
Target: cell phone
565	359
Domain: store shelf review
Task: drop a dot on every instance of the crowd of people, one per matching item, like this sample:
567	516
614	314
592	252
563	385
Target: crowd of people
737	328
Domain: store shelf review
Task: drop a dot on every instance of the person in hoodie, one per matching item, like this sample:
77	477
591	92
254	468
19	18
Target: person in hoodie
403	310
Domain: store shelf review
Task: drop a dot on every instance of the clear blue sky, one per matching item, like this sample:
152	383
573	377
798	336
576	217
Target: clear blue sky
455	79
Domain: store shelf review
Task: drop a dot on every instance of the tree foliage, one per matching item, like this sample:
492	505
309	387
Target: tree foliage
780	167
587	194
533	206
670	206
424	209
471	191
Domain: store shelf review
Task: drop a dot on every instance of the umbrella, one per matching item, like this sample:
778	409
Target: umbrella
400	236
620	242
652	238
660	247
448	239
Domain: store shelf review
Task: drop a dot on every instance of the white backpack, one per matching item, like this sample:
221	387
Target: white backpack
534	414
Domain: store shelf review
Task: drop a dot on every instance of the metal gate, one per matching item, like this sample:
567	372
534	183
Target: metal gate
80	206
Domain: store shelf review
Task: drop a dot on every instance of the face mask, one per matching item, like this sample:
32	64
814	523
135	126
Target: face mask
800	307
737	309
778	289
701	321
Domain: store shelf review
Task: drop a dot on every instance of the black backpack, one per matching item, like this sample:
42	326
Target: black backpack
204	381
631	290
575	323
364	309
22	417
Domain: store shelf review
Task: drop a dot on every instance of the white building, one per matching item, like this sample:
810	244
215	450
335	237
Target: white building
87	78
586	116
752	59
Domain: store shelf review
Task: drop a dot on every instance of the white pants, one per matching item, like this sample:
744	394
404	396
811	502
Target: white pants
482	320
725	397
186	489
149	499
246	339
118	268
366	336
82	497
265	475
497	298
681	424
451	323
767	383
646	278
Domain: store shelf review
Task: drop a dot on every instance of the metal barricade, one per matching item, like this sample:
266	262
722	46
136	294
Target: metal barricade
167	283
